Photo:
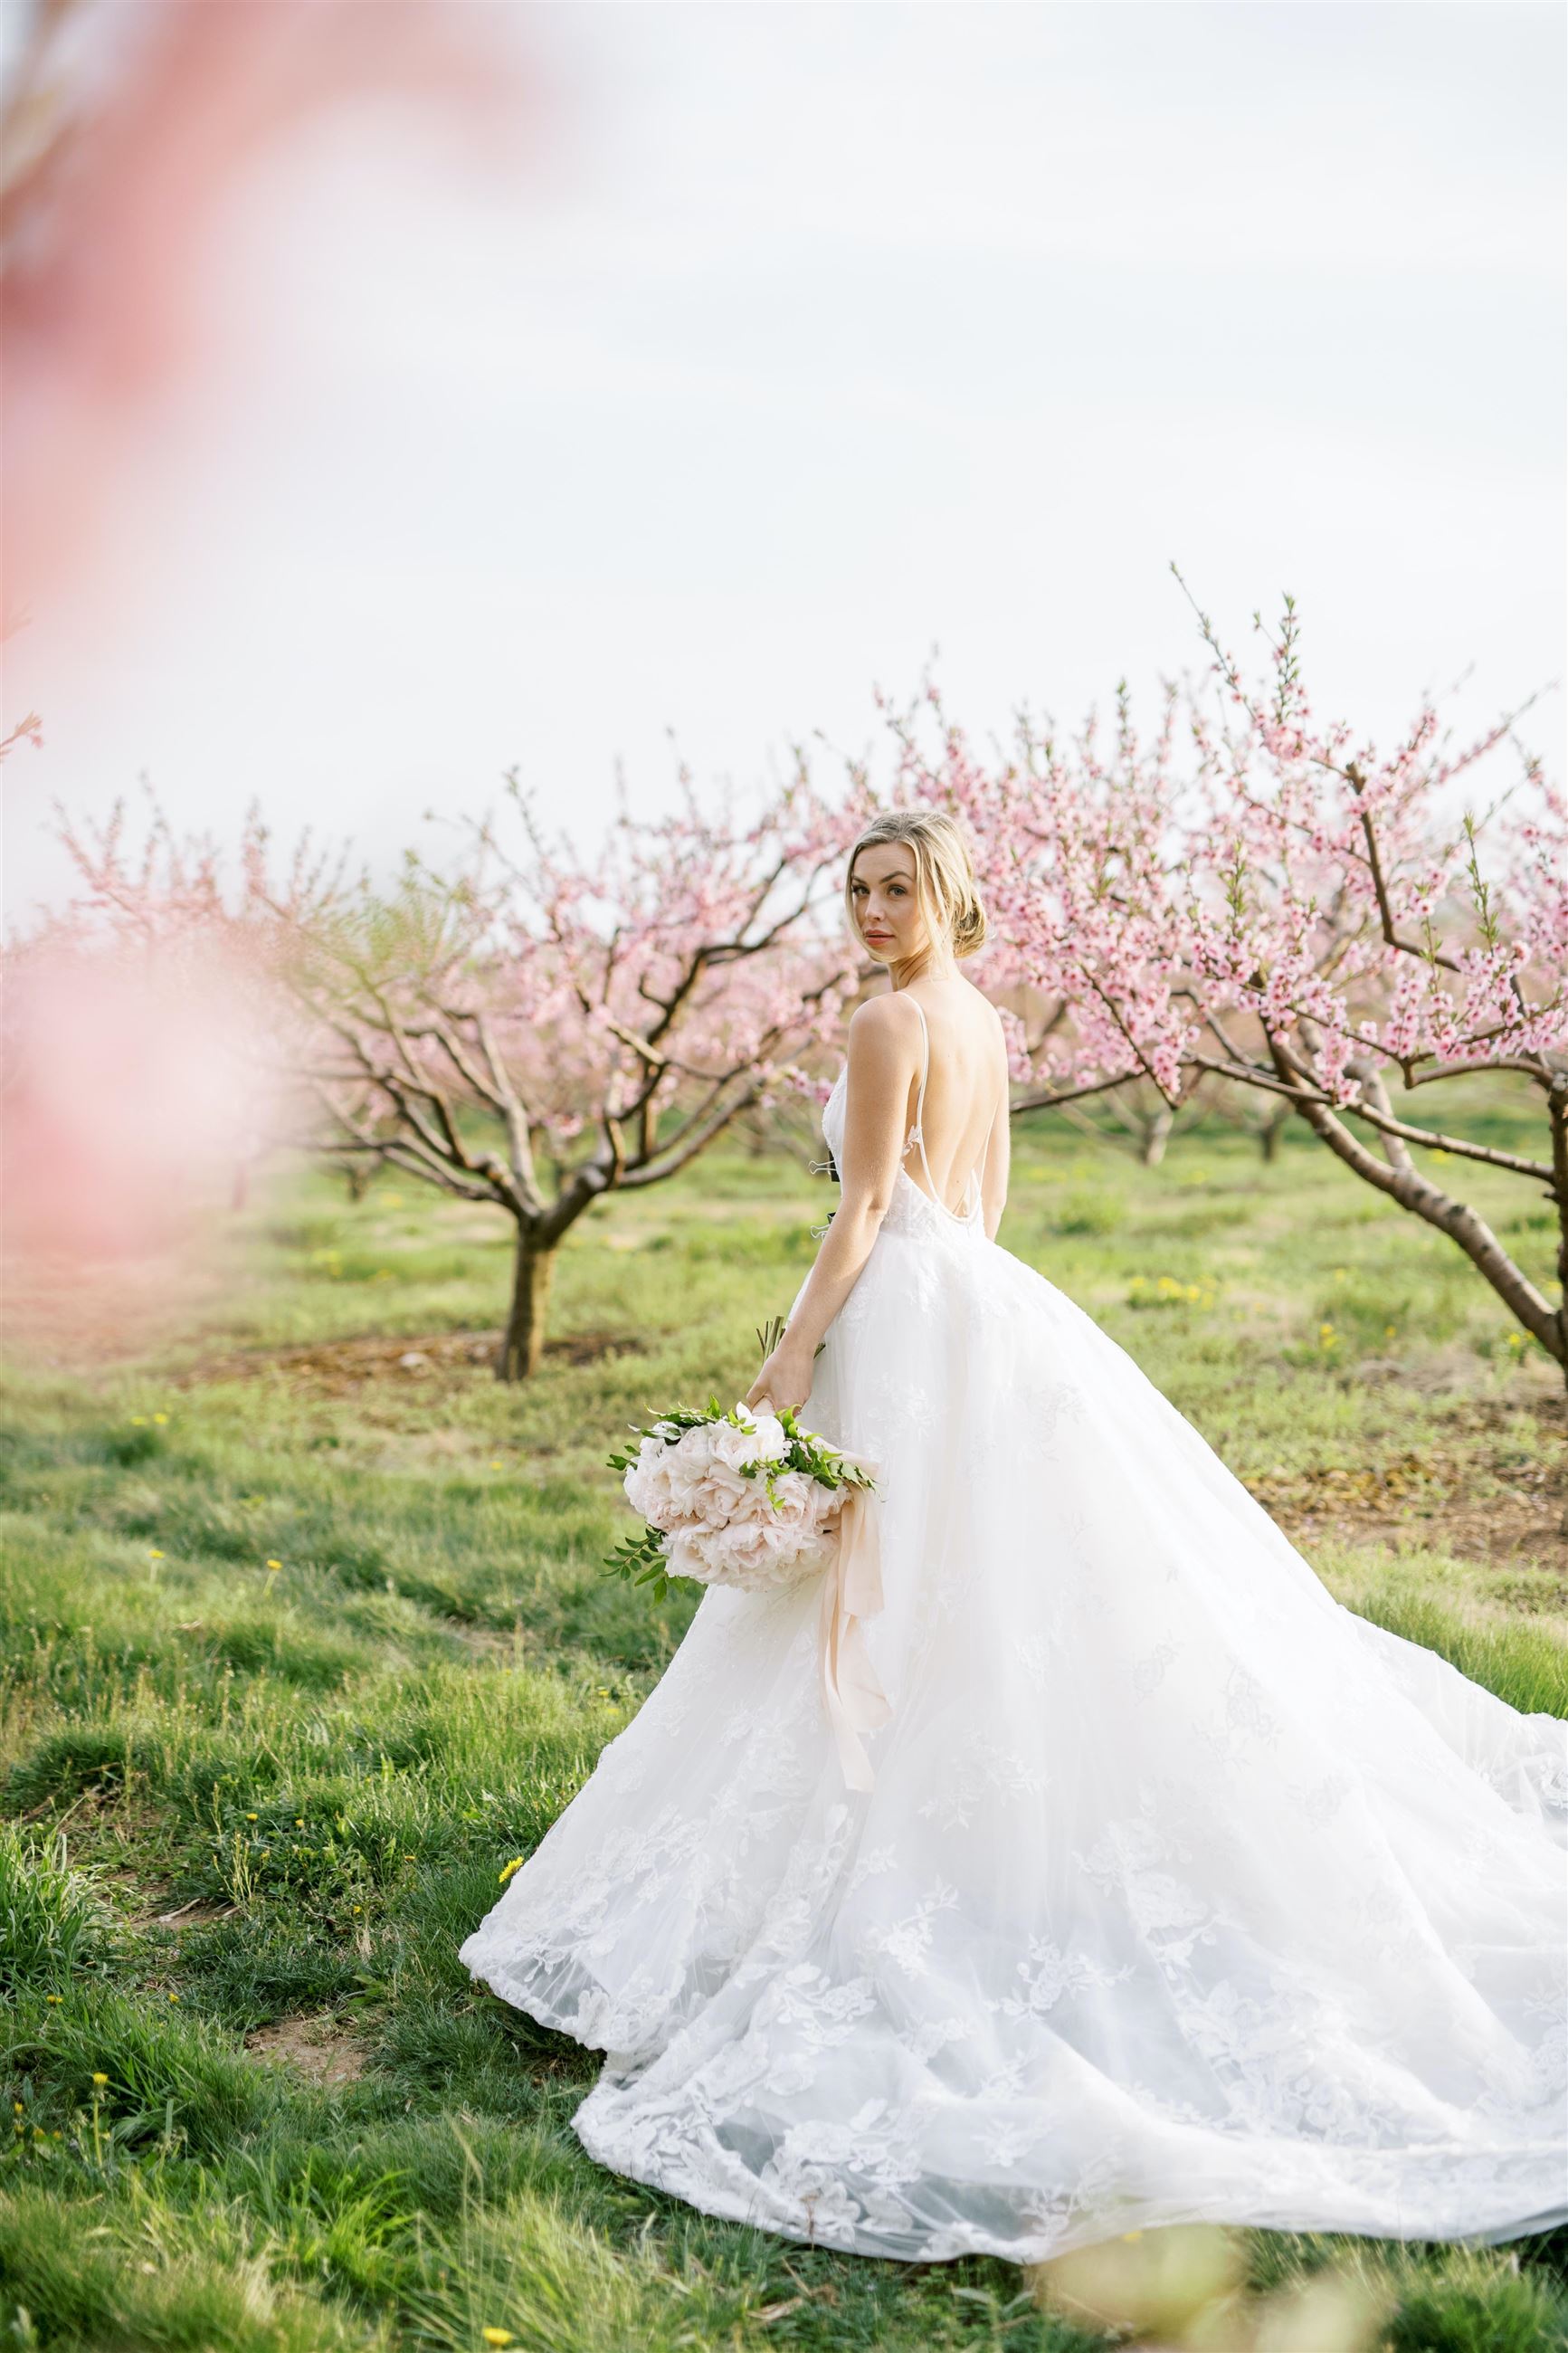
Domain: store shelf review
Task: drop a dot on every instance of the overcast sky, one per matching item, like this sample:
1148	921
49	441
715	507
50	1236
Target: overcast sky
818	336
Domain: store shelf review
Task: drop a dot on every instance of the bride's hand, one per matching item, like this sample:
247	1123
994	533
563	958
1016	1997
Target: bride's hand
784	1380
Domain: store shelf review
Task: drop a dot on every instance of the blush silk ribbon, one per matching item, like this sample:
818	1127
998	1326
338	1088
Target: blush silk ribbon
852	1592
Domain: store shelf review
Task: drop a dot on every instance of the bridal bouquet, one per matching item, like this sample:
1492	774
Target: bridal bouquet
731	1498
737	1498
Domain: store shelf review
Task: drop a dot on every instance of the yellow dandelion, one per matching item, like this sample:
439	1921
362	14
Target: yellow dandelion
1389	1330
497	2336
515	1864
53	1998
356	1907
155	1553
18	2105
250	1817
138	1421
173	1997
299	1821
274	1564
160	1416
100	2081
495	1466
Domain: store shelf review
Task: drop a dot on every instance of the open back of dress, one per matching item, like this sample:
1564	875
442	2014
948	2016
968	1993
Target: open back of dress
917	1133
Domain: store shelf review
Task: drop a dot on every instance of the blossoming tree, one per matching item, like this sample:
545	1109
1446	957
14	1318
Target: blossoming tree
1375	928
537	1030
1289	911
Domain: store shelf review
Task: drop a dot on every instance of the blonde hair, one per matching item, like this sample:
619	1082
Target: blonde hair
945	889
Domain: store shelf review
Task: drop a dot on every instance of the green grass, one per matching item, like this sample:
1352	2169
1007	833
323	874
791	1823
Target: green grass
245	1796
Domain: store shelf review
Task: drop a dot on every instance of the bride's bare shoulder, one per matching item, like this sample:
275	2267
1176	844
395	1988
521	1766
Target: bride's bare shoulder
886	1015
881	1041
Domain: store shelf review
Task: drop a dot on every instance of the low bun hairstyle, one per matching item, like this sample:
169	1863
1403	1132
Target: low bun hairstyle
945	887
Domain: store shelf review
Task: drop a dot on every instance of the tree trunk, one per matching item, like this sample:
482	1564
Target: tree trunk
1153	1137
1557	1111
1271	1131
523	1342
1400	1179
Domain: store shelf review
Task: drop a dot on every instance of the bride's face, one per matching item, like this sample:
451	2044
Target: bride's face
887	910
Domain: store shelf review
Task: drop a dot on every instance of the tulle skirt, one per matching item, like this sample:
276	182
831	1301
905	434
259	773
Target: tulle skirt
1182	1895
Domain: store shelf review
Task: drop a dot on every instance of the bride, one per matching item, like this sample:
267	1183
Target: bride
1180	1894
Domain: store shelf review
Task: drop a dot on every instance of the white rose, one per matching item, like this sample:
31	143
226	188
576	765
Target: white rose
803	1502
684	1558
758	1555
649	1483
771	1438
760	1442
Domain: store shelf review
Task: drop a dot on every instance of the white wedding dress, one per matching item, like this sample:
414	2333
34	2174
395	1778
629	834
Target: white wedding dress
1182	1893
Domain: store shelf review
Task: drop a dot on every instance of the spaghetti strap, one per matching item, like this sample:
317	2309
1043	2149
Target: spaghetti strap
917	1133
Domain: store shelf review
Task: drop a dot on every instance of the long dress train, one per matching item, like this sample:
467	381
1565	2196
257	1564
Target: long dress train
1182	1895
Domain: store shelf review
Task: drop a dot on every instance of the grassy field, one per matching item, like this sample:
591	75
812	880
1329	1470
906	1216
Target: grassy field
303	1637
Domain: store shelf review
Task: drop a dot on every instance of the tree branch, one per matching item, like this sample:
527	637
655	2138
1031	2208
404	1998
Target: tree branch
1456	1218
1248	1073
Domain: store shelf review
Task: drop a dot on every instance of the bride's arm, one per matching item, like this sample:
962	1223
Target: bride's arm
883	1057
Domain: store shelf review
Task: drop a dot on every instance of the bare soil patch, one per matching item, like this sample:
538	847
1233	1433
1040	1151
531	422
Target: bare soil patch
342	1368
1496	1535
1483	1486
199	1914
64	1314
318	2046
1522	1526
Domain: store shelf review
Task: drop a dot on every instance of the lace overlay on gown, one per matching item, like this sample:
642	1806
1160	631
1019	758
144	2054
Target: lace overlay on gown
1183	1892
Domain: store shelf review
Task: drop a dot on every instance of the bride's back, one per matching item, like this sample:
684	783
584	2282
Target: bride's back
967	1084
